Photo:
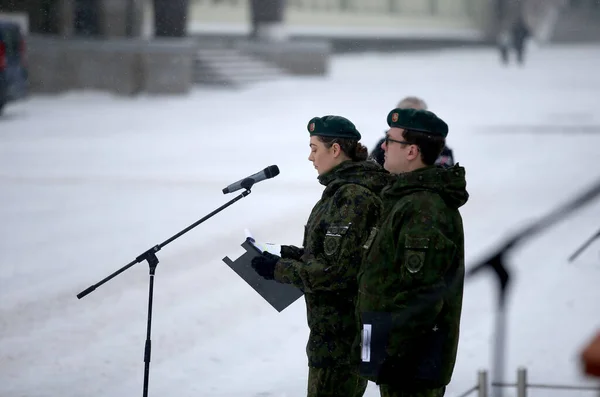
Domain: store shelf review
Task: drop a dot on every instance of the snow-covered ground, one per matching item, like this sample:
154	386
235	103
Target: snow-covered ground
88	181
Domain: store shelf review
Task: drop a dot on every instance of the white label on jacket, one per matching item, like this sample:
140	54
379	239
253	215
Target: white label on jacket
366	343
372	235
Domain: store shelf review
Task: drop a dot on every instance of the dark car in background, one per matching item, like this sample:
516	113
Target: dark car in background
13	66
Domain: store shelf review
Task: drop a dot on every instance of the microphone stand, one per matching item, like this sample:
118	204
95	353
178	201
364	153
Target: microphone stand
584	246
150	257
496	263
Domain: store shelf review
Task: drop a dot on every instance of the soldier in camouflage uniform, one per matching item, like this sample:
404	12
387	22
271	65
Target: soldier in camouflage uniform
326	268
412	276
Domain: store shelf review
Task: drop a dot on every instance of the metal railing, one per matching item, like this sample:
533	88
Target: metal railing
481	387
522	386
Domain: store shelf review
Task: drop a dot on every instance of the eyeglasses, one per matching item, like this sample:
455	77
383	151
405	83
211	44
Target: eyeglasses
388	140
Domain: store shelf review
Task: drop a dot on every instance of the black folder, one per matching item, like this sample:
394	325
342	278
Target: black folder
276	294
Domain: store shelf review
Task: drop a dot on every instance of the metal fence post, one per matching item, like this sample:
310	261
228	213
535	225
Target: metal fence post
482	384
522	382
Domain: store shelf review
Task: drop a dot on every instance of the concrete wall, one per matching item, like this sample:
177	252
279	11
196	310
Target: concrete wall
120	66
297	58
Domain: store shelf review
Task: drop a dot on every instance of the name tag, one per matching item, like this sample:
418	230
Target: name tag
366	343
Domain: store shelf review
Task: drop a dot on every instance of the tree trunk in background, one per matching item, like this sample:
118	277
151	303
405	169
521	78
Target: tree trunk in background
87	18
66	17
170	18
267	17
134	18
43	16
11	5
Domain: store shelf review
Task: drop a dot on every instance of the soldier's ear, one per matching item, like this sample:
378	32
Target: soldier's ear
414	152
337	149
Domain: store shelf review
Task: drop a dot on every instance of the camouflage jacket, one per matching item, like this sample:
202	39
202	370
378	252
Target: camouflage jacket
413	273
326	267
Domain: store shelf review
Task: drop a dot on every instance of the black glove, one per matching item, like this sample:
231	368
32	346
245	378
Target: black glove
291	252
264	265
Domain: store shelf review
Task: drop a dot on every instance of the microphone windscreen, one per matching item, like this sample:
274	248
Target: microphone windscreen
271	171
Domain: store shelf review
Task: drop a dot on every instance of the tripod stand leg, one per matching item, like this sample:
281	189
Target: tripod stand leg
152	261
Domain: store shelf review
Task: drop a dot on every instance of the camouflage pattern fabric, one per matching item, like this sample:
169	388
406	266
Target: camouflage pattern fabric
414	270
387	391
341	381
326	268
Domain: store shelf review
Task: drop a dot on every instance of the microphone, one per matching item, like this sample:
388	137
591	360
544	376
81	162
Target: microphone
248	182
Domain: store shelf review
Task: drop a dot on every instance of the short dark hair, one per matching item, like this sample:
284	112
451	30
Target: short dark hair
430	146
353	149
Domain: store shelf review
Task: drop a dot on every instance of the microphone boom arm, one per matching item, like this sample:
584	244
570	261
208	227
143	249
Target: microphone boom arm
150	256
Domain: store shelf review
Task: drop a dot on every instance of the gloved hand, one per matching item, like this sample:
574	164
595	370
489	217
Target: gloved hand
291	252
264	265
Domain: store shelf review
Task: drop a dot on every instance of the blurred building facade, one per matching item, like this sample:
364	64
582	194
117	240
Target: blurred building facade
423	19
347	16
132	46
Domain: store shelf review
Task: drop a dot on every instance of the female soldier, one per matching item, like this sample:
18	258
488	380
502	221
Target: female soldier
326	268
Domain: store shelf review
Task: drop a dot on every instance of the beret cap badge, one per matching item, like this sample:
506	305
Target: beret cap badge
332	126
418	120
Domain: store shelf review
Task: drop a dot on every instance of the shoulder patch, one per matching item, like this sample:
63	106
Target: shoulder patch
415	250
414	260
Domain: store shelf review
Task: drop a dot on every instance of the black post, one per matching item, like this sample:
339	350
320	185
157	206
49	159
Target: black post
150	257
496	262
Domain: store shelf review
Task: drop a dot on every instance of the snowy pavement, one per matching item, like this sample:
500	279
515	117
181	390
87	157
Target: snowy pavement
88	181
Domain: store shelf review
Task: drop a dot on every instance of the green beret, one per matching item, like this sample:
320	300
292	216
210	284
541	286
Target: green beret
333	127
418	120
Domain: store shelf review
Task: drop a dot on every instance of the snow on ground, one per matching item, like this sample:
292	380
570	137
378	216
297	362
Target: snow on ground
88	181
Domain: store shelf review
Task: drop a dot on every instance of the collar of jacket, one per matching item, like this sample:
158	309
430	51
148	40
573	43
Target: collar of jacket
450	183
333	174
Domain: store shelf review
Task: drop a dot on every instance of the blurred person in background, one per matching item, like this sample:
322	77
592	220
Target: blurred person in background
520	34
514	37
446	158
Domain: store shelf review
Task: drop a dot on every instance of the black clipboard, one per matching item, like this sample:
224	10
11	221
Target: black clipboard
276	294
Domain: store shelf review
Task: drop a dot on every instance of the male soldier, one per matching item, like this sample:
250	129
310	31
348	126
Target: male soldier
412	276
446	158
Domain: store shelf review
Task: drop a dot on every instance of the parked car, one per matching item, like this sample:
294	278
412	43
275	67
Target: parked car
13	64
